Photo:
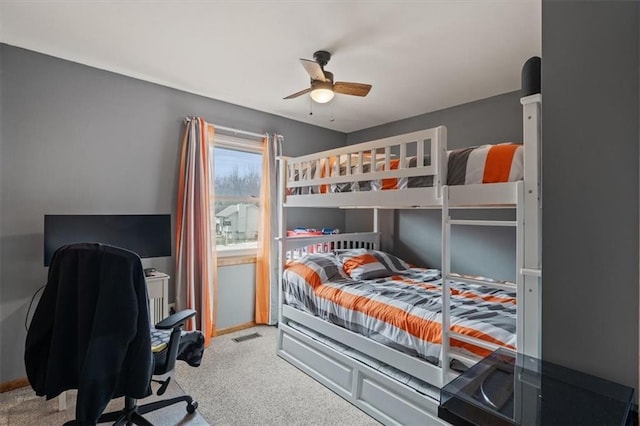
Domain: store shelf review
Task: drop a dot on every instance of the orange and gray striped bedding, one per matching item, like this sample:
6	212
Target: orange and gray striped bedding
402	310
480	164
485	164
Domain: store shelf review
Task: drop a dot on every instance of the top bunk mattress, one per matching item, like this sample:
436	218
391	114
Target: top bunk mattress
467	166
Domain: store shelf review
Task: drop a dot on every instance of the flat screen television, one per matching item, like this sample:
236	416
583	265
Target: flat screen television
148	235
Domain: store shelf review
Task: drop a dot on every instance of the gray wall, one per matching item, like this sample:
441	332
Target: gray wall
77	139
1	211
236	287
590	188
417	233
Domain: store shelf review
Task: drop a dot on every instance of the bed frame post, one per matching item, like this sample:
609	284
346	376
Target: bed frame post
376	220
442	160
445	271
282	233
530	302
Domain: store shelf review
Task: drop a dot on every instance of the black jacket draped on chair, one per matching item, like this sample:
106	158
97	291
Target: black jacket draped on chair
90	330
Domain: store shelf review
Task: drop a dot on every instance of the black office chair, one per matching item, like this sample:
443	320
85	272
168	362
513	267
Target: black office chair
91	332
167	342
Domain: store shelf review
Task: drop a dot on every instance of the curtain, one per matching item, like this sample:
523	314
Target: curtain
195	262
266	260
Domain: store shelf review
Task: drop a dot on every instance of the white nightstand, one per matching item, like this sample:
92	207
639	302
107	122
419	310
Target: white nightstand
158	289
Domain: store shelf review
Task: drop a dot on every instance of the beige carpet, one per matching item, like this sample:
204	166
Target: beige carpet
248	384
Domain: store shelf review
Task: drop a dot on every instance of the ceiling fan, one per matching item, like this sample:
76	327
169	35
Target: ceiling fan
322	87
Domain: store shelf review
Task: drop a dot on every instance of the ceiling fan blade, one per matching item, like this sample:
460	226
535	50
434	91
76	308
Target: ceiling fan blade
354	89
300	93
314	69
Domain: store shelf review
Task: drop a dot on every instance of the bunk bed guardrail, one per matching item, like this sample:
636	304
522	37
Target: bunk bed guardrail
333	177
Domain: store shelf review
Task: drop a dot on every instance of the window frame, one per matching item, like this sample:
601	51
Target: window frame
237	144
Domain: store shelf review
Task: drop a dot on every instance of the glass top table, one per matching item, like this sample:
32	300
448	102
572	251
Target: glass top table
514	389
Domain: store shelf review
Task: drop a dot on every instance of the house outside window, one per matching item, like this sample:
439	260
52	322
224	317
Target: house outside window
237	178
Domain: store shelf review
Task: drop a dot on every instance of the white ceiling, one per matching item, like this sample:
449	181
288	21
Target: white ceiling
420	56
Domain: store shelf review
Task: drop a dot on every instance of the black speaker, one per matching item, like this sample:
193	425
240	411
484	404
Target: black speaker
531	76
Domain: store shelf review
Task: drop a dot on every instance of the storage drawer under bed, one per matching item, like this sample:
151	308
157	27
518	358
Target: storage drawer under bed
377	394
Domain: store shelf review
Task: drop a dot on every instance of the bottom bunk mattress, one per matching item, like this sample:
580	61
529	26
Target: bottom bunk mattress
398	306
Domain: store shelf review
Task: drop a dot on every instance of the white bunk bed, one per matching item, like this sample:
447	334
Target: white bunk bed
334	355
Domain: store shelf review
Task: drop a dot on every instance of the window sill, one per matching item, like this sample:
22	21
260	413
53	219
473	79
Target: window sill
235	260
236	252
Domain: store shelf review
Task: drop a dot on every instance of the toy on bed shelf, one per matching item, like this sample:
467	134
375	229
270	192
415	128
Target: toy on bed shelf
330	231
309	232
303	232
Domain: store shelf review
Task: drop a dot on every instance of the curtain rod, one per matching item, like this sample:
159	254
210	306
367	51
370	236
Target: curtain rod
236	131
232	130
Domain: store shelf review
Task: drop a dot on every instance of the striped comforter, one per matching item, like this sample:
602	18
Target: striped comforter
480	164
485	164
402	311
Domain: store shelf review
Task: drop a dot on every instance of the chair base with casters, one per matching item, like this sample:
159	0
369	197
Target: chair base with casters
132	413
166	342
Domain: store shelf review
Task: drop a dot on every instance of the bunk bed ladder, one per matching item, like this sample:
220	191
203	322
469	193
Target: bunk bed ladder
448	277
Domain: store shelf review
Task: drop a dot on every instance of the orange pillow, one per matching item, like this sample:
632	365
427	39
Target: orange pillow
363	266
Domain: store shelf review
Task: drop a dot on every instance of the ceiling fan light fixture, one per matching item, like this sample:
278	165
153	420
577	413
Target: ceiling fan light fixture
322	92
322	88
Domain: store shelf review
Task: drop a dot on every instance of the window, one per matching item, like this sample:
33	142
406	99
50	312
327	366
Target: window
237	180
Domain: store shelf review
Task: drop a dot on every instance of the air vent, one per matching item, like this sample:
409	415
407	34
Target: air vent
247	337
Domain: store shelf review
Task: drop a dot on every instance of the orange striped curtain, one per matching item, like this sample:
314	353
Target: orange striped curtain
195	263
266	272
